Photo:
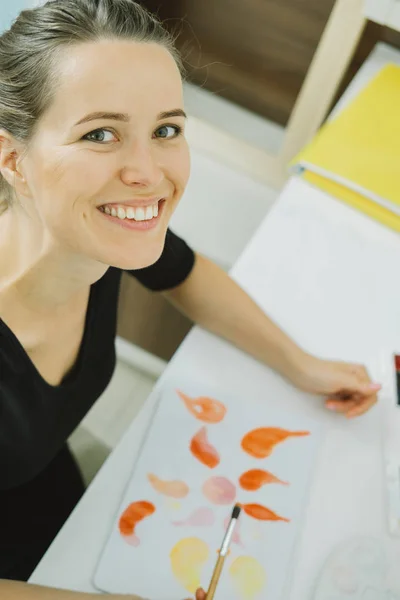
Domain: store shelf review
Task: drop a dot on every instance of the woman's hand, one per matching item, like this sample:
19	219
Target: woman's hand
348	387
200	594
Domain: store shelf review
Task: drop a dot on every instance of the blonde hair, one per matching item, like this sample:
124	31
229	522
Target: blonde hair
29	51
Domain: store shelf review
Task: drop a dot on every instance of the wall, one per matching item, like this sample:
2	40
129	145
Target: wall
256	53
9	9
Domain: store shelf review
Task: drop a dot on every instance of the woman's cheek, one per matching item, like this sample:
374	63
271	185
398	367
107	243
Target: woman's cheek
184	164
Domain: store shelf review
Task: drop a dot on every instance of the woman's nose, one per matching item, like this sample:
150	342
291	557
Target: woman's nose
142	168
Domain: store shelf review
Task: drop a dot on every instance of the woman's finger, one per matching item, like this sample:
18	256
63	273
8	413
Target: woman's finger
341	406
200	594
362	408
359	405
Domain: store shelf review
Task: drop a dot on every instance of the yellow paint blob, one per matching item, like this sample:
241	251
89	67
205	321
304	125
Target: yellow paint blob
188	557
172	504
248	576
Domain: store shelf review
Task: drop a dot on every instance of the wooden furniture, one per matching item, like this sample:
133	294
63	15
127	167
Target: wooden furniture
334	52
326	73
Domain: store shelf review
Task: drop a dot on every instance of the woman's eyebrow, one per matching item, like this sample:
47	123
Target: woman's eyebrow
177	112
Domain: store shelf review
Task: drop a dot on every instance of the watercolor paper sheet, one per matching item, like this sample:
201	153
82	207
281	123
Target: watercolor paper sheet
204	451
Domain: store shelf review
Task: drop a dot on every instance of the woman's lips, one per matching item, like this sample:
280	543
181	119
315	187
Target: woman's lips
131	223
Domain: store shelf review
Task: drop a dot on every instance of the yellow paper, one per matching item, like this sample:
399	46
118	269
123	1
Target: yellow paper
356	156
370	208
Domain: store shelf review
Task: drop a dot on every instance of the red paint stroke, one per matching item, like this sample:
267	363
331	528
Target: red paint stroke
219	490
255	478
132	515
201	448
203	408
262	513
260	442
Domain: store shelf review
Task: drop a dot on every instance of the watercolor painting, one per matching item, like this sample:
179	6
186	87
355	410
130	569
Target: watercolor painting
132	515
205	409
201	449
248	577
253	479
180	496
173	489
188	558
261	442
219	490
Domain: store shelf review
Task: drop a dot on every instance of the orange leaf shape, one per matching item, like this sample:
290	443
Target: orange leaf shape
201	448
131	516
173	489
260	443
203	408
262	513
255	478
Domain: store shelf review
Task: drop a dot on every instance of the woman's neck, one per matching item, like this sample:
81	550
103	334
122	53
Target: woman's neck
35	269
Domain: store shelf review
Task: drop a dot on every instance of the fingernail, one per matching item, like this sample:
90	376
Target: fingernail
331	407
375	386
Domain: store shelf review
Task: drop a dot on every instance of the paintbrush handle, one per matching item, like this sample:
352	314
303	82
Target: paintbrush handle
215	577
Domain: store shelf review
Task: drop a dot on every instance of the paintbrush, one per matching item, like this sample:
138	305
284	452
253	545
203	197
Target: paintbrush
223	552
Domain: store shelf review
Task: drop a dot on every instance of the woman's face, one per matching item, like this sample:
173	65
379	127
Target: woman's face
105	185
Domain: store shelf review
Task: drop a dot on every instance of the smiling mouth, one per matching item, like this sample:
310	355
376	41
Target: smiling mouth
132	213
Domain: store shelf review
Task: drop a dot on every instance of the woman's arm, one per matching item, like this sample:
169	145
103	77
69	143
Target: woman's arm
14	590
216	302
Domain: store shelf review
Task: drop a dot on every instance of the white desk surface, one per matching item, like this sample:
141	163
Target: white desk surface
330	277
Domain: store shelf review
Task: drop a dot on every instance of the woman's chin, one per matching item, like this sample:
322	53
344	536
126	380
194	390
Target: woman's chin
132	261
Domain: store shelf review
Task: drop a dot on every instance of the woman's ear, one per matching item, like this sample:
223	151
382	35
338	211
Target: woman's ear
10	162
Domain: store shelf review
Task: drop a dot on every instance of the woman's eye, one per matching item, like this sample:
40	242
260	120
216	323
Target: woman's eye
168	131
98	135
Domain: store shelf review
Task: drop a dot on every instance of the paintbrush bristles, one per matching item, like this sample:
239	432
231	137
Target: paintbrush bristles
236	511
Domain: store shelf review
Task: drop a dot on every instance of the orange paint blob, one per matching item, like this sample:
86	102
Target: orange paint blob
173	489
255	478
260	442
135	512
262	513
201	448
203	408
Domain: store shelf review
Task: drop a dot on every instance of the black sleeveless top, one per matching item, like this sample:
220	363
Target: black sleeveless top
36	418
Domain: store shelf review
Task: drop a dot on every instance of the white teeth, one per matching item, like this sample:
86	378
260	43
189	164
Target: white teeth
140	214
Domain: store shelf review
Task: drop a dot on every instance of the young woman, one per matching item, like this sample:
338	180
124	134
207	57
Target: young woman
93	162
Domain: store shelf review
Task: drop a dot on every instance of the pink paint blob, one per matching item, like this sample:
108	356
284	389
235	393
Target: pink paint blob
132	540
201	517
219	490
236	539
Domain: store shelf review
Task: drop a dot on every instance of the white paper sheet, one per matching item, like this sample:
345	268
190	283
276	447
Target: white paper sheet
146	569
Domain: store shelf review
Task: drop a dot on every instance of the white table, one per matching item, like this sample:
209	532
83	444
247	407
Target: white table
330	277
